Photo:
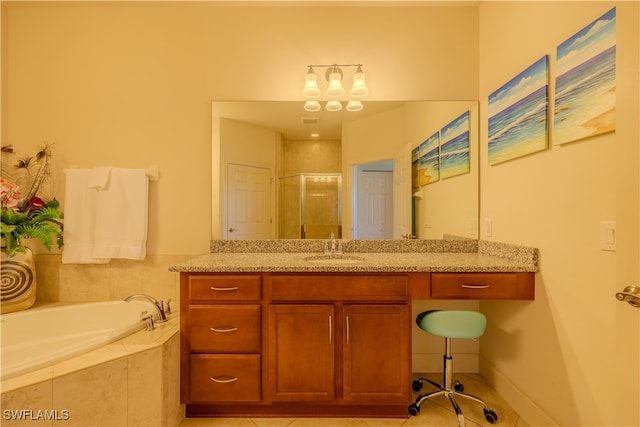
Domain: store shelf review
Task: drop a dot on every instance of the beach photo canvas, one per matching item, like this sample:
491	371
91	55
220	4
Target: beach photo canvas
585	94
454	147
518	113
429	161
415	156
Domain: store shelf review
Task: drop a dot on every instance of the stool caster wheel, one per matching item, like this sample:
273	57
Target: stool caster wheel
458	386
414	409
416	385
490	415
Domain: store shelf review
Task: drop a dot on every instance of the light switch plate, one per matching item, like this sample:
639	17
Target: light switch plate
487	228
608	235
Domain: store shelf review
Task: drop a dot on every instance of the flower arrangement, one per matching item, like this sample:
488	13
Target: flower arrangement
27	211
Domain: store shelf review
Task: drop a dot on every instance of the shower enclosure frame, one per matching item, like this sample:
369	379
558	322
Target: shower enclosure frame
303	208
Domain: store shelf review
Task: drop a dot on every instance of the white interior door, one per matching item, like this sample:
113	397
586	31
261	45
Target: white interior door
627	318
375	204
248	203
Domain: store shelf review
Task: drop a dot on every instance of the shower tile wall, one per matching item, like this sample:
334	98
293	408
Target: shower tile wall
311	157
299	157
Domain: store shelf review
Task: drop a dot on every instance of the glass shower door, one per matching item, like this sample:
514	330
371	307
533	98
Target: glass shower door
321	213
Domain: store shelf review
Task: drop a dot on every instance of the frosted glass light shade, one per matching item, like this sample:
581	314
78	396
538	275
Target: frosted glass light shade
359	87
335	88
333	105
311	89
312	106
354	106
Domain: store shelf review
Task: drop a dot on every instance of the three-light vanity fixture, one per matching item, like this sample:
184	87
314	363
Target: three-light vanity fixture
334	75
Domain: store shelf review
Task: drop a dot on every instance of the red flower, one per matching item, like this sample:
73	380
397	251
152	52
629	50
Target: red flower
36	203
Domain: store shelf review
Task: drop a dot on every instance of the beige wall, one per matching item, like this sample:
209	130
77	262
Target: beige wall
131	84
555	358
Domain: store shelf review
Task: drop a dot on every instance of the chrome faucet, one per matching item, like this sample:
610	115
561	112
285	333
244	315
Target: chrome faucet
333	246
159	305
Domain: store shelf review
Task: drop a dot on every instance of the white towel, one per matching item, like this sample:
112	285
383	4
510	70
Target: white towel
99	177
79	219
121	215
108	221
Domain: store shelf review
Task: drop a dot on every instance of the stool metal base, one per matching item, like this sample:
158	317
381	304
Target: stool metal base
450	390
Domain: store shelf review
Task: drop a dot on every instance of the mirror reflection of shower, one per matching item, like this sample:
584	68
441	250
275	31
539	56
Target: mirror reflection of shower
310	206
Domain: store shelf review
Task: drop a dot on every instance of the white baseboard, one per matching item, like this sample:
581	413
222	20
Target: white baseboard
531	413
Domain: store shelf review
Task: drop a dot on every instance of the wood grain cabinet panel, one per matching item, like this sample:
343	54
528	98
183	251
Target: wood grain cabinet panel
228	378
221	287
482	286
225	328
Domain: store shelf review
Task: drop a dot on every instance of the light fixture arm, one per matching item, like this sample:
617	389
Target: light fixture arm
334	68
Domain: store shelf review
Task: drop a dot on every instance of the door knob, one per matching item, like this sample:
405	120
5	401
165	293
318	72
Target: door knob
630	294
231	230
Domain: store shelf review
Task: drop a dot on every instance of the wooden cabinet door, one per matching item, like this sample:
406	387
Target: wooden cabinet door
377	353
301	352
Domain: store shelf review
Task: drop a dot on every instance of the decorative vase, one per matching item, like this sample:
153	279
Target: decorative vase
18	290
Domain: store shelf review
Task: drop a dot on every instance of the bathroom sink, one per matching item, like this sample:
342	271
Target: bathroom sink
334	259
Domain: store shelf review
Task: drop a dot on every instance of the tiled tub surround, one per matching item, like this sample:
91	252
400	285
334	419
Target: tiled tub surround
40	337
131	382
447	255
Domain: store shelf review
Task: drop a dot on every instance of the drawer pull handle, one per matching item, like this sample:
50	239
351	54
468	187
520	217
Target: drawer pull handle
224	381
475	286
224	330
230	288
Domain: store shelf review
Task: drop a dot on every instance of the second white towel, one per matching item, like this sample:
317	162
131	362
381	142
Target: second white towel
105	222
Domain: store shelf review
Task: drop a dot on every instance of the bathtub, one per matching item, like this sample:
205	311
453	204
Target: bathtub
39	337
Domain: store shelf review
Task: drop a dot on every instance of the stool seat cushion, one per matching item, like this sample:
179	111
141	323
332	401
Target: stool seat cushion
452	323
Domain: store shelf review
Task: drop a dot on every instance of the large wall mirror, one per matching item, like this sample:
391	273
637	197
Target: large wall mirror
279	171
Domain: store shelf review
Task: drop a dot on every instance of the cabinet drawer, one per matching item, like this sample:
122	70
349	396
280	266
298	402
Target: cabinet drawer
482	285
218	378
224	329
230	287
324	287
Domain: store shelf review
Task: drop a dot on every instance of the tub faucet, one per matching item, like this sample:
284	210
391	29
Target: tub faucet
159	305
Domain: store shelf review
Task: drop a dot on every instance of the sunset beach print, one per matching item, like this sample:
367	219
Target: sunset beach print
518	114
454	147
429	161
585	101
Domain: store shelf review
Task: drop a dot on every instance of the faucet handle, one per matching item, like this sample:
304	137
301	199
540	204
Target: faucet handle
167	306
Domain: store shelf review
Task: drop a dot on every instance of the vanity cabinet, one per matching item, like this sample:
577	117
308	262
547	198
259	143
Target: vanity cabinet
347	334
221	341
316	344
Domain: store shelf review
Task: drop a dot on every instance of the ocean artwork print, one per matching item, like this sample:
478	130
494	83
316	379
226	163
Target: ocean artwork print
518	113
585	94
415	156
429	161
454	147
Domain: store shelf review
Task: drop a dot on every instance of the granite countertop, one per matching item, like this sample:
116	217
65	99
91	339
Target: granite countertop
372	256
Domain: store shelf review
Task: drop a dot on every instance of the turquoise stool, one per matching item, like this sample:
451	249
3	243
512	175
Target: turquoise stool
450	324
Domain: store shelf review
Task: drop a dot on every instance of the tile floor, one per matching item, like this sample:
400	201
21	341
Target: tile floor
434	413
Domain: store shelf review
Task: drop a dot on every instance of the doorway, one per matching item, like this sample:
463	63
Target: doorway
373	210
248	202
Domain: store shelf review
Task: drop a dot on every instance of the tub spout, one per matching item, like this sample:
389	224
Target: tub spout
162	317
